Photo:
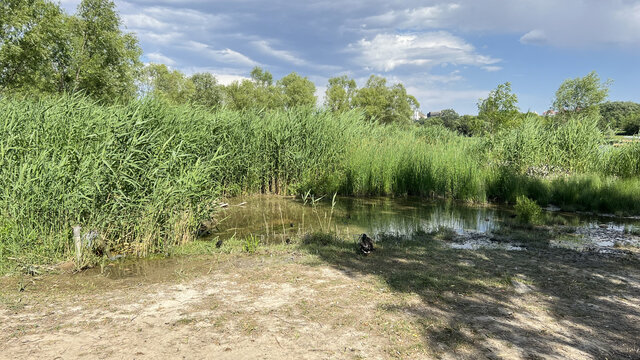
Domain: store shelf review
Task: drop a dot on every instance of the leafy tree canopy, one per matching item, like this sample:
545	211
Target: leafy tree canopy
43	50
385	104
581	94
339	94
500	108
297	91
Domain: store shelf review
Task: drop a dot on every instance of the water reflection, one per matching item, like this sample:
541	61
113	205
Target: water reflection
277	218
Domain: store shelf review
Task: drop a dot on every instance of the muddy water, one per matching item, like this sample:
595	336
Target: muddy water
276	219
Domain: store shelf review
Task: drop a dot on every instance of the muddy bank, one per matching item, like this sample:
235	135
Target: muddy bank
410	298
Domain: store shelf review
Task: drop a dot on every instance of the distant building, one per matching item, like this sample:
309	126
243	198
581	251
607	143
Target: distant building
431	114
418	116
550	113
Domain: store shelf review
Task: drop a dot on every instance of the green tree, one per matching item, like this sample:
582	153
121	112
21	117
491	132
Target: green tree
207	92
339	94
257	93
261	77
449	118
615	113
582	94
297	91
105	60
34	48
385	104
169	84
500	108
239	95
44	50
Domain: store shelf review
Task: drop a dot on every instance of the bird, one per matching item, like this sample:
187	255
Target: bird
203	230
365	245
218	243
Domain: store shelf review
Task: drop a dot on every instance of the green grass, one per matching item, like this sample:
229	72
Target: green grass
146	174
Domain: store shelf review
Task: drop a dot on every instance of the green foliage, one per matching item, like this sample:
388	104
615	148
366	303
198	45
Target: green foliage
105	60
259	93
623	161
171	85
207	92
297	91
34	55
46	51
384	104
144	175
572	145
528	211
251	244
616	115
140	174
500	108
339	94
630	124
582	94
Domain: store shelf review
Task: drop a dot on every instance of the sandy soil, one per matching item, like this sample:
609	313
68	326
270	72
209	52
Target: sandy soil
296	306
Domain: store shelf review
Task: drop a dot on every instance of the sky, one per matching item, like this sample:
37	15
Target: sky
448	54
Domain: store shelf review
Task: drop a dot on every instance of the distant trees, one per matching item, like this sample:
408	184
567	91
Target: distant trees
500	108
206	90
339	94
296	90
171	85
379	102
43	50
582	94
621	115
261	93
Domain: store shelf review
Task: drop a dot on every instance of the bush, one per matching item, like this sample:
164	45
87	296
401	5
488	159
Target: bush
528	211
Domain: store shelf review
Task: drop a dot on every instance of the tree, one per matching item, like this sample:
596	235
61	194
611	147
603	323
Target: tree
339	94
582	94
615	113
297	91
239	95
261	77
449	118
172	85
258	93
207	92
44	50
500	108
34	50
105	60
385	104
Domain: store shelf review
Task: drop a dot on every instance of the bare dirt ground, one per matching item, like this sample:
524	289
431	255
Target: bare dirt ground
416	301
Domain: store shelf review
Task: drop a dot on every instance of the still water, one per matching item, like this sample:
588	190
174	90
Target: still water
278	218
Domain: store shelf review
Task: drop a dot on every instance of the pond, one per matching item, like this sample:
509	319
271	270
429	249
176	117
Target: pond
277	219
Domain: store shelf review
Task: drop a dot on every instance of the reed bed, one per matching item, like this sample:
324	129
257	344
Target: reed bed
145	175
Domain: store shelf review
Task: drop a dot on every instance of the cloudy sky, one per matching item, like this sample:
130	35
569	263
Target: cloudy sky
447	53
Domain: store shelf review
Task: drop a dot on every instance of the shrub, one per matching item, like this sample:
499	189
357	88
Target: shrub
528	211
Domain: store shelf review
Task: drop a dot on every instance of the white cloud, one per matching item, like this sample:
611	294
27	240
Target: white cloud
225	55
567	23
534	37
492	68
421	17
156	57
386	52
287	56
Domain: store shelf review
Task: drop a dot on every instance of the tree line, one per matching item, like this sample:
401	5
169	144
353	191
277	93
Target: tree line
43	50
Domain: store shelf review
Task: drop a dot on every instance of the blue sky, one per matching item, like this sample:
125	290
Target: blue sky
447	53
